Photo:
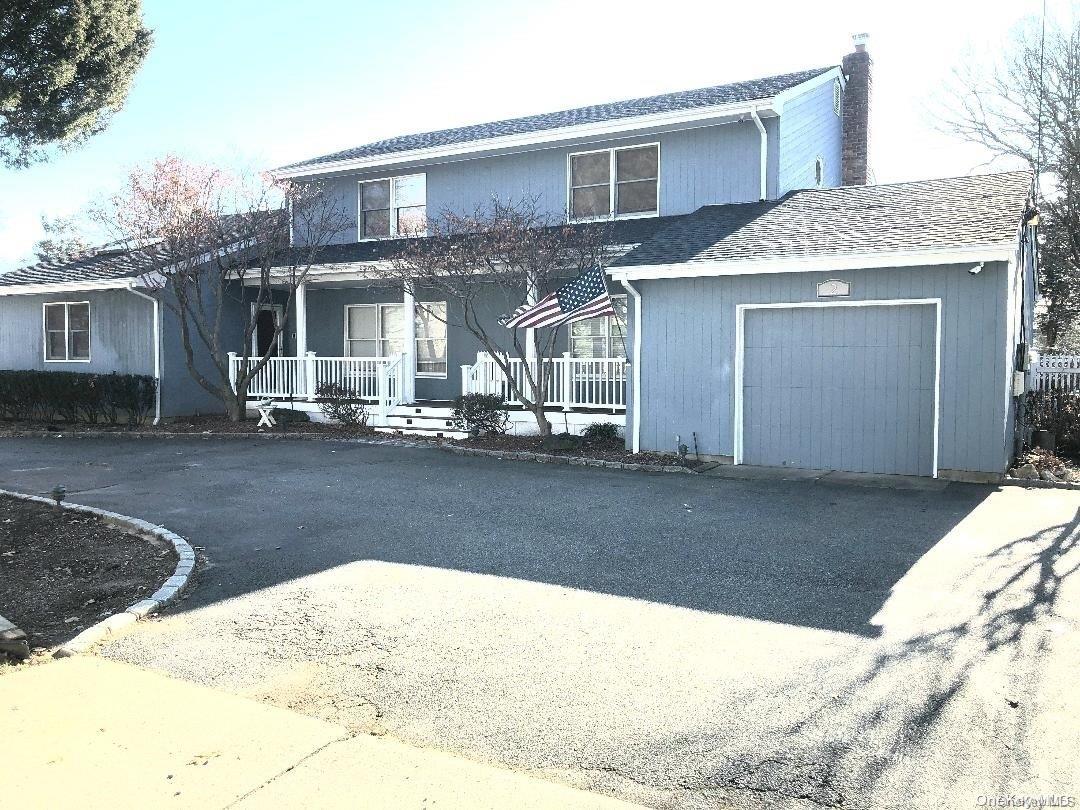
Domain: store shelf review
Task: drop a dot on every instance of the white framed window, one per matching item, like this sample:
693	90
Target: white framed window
378	330
66	327
605	336
392	207
837	97
615	183
431	339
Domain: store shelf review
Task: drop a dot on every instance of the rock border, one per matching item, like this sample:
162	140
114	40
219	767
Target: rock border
398	441
1038	483
169	590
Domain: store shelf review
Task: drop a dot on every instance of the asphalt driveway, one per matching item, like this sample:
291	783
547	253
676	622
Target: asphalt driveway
680	641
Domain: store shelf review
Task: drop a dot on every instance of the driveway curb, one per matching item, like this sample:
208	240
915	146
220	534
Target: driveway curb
507	455
168	591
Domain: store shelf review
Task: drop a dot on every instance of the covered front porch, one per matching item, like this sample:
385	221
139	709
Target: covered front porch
356	334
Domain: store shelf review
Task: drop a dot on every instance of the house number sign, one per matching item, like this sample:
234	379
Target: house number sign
833	288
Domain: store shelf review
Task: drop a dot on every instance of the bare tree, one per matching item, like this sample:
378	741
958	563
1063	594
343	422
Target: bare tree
64	237
1033	98
496	258
215	248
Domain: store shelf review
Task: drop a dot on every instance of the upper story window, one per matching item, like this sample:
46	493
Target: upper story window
393	206
594	338
615	183
67	332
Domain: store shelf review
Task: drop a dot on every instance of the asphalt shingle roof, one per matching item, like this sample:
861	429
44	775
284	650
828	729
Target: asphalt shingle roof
921	215
620	234
103	265
753	90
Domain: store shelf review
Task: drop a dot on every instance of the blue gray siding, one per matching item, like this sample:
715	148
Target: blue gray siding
688	354
121	325
840	388
808	129
704	166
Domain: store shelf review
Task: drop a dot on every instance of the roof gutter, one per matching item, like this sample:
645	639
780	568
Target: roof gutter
764	157
157	348
993	252
62	286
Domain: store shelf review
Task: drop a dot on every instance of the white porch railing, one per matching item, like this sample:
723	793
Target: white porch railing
572	382
1056	372
372	378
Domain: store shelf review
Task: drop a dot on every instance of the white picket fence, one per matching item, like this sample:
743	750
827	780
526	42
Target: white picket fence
1056	372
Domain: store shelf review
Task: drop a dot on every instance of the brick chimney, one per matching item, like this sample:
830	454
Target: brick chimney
856	126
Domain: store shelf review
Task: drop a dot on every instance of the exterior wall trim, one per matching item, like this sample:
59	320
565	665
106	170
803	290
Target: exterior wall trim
64	286
740	322
1002	252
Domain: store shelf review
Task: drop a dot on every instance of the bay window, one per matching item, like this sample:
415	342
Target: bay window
594	338
393	207
615	183
67	332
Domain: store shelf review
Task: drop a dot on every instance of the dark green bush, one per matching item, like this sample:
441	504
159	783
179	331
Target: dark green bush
601	432
480	414
70	396
1058	412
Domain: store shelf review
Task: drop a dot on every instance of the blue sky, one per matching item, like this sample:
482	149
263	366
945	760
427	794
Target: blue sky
258	83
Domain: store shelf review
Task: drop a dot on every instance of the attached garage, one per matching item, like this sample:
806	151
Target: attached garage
838	386
870	329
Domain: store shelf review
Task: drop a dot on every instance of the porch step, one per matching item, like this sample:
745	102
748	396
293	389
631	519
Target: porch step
413	430
422	411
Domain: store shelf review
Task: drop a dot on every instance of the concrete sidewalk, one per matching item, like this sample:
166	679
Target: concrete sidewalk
98	733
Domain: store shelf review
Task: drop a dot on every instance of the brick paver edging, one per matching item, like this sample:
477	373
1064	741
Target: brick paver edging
509	455
168	591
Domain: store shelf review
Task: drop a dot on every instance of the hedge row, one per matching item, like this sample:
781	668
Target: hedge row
70	396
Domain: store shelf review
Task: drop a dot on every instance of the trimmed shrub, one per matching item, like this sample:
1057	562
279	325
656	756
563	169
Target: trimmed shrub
70	396
601	432
341	404
480	415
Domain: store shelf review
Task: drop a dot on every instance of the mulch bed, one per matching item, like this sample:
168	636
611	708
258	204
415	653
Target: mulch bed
194	425
63	571
605	450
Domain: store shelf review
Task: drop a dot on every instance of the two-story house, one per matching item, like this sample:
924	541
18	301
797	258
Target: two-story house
771	307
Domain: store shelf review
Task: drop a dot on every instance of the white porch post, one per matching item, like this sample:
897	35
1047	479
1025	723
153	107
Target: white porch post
301	319
531	297
567	383
300	304
408	372
232	370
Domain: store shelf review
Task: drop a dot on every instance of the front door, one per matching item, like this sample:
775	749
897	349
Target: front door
266	323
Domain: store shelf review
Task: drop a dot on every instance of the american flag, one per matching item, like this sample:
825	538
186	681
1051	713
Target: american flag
584	297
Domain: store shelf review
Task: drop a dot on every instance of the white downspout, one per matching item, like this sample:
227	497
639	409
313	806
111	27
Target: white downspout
157	349
764	153
636	367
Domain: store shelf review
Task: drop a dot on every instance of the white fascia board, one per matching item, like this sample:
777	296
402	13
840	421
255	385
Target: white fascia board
65	286
784	96
811	264
539	139
346	271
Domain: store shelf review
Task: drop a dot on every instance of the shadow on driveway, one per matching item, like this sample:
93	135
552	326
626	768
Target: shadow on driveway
808	554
